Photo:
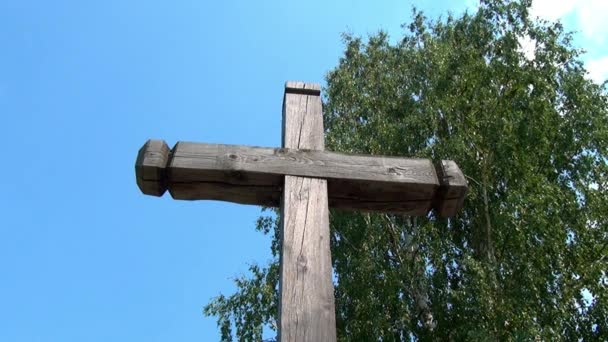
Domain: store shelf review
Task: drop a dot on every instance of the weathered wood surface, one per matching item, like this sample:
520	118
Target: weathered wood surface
195	161
306	303
355	181
150	167
297	87
254	175
450	197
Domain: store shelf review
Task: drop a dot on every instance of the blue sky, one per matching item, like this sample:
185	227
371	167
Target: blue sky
84	256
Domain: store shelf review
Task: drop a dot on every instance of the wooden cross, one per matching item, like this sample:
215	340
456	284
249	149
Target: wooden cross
304	180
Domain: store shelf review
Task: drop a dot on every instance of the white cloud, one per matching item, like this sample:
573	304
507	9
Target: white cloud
552	9
591	15
587	17
598	69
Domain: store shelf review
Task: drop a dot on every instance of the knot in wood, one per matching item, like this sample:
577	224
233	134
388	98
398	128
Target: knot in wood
302	262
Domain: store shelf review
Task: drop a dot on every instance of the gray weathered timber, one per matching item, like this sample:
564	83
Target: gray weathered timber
297	87
195	161
306	303
453	188
254	175
150	167
355	181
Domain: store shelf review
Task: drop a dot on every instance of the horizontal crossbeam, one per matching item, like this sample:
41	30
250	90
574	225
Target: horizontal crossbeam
255	175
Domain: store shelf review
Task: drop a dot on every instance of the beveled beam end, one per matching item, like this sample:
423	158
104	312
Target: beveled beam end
151	167
452	189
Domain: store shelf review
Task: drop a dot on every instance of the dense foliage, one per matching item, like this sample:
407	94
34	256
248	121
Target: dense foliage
528	256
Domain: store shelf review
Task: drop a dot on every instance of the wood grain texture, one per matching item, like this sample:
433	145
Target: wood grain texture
150	167
306	299
192	161
452	190
255	175
297	87
356	182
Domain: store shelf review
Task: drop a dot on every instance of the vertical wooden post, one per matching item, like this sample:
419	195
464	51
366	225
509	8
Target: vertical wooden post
306	302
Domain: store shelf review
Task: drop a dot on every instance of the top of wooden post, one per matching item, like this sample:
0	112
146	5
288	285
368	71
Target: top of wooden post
303	97
304	88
